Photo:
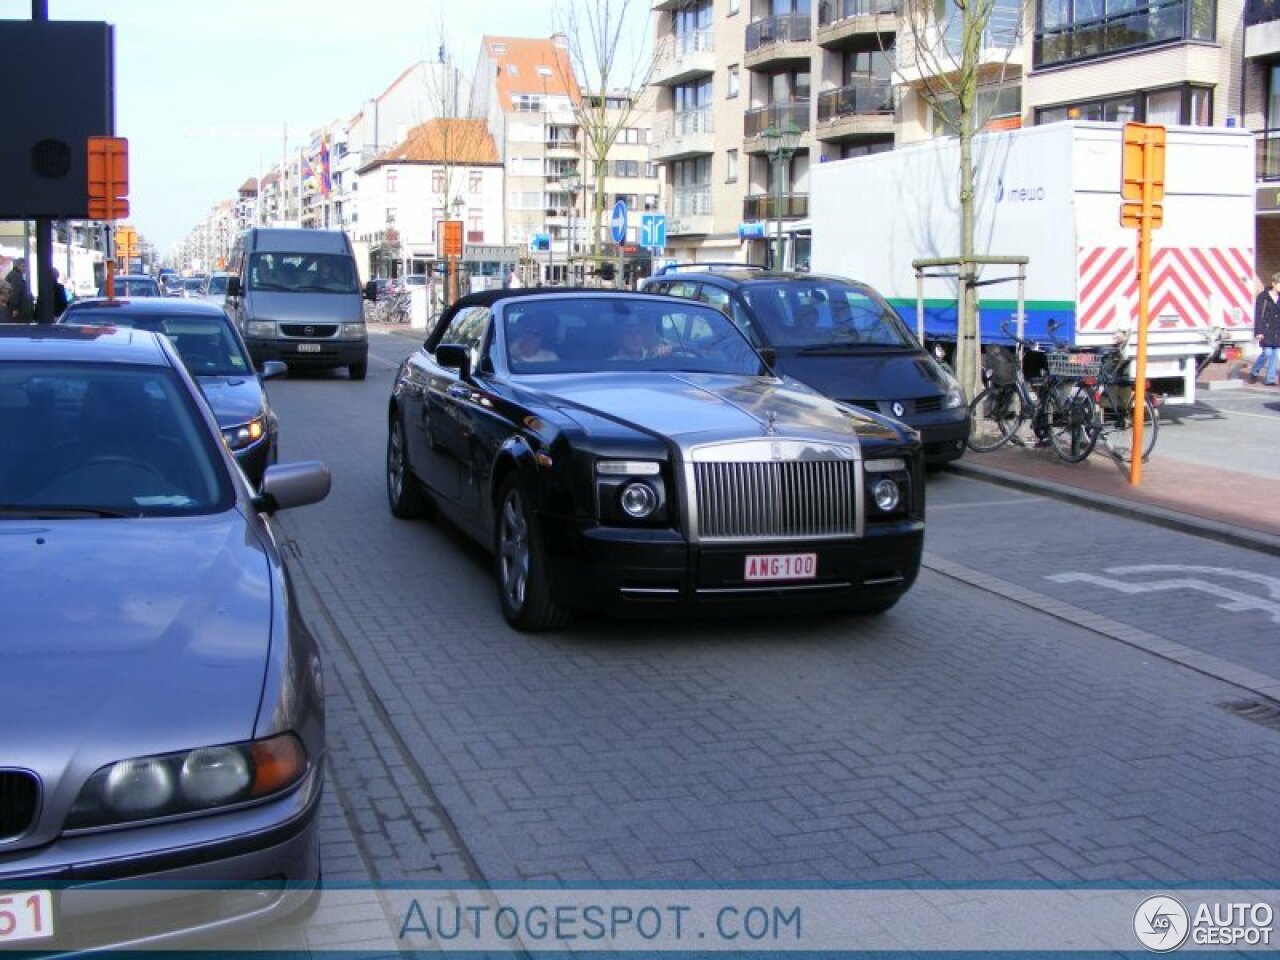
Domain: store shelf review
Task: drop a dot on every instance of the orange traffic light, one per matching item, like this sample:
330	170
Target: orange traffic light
108	178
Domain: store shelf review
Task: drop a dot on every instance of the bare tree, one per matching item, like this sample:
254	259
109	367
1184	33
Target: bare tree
960	49
613	74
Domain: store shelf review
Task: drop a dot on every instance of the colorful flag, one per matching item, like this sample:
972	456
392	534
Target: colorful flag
326	181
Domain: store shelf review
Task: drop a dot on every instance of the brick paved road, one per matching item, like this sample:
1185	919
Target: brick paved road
960	737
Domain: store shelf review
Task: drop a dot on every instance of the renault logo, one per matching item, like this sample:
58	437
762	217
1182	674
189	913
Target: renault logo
898	409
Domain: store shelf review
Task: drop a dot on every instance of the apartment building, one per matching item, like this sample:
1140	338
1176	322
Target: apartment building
850	77
444	169
1261	113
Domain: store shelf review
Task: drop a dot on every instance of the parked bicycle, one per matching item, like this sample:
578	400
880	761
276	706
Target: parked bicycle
1112	396
1059	415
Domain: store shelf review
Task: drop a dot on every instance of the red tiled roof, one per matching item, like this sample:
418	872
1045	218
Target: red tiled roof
530	65
445	140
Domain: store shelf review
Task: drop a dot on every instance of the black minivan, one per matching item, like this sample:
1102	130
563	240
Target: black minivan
837	336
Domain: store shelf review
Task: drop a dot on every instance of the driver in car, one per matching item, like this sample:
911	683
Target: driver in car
638	340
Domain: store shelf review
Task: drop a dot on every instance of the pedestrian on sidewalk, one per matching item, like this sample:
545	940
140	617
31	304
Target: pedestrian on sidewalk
21	307
1266	331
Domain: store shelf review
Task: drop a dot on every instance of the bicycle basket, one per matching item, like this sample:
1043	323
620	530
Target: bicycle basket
1003	366
1074	366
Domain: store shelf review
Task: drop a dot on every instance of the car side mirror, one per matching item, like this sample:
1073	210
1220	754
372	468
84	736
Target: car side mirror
233	286
455	356
371	290
292	485
273	368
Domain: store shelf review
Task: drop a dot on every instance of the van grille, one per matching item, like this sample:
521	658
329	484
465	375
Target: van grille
19	791
801	499
311	330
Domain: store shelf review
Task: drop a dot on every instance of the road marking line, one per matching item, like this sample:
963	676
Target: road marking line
985	503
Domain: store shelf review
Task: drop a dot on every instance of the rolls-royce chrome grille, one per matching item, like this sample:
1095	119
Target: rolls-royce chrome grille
776	499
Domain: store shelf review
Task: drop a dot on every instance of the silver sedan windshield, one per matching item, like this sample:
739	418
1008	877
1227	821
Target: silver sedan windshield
104	439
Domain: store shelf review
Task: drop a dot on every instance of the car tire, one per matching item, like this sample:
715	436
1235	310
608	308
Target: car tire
405	495
520	564
358	371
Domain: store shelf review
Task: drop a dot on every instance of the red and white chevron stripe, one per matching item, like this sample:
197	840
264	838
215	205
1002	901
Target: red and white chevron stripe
1191	287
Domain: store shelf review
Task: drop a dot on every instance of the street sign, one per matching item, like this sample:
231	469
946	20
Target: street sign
1131	215
618	222
1141	139
108	168
126	243
452	243
653	230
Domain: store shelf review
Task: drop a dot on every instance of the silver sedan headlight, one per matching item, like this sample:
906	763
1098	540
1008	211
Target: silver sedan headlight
192	781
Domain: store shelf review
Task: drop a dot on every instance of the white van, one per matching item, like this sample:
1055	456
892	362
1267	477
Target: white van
295	296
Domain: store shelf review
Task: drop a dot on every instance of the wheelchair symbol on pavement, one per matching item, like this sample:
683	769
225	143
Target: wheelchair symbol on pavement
1181	577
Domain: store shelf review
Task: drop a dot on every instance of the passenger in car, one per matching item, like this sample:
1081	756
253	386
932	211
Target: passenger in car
526	343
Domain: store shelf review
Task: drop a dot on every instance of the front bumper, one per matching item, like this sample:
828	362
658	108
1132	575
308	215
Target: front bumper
638	571
170	882
309	353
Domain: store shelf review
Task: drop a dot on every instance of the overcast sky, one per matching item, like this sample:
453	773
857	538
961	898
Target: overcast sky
205	88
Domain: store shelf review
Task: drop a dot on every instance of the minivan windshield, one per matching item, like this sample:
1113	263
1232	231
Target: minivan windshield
302	273
823	313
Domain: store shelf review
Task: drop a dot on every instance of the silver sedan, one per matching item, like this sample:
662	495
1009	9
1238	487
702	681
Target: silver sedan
160	696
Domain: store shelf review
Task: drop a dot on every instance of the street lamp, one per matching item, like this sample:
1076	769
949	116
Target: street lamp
781	146
572	184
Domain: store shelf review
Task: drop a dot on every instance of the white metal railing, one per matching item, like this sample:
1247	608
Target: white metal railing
691	202
692	121
700	40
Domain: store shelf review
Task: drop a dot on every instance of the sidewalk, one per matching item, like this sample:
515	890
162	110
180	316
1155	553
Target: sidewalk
1223	504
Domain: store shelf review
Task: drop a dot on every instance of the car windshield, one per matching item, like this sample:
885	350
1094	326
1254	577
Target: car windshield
217	285
193	284
823	313
591	334
302	273
104	439
206	344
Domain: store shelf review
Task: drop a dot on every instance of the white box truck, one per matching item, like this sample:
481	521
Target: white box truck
1052	194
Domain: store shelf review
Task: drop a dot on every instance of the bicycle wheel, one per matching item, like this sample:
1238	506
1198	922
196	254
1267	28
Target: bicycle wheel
1073	429
1117	424
995	415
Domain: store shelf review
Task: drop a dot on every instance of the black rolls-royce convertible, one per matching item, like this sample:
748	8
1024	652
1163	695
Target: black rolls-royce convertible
624	451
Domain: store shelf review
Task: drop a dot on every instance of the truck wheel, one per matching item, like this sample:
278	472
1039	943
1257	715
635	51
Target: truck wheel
358	371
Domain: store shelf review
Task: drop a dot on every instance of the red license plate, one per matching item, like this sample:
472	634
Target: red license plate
781	566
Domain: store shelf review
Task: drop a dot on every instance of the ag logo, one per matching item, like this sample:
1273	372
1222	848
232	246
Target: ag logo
1161	924
898	409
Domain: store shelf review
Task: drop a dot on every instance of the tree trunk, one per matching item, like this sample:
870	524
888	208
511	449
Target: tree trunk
968	334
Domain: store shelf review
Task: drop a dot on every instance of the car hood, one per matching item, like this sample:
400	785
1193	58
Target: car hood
234	400
865	376
125	637
697	407
306	307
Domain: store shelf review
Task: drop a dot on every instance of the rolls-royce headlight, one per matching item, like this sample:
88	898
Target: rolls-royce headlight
246	434
886	494
638	500
191	781
261	328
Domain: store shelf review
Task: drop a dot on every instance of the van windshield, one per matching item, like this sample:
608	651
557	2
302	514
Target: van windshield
817	313
302	273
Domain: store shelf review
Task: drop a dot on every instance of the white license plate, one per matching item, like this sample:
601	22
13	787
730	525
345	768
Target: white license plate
782	566
308	348
26	916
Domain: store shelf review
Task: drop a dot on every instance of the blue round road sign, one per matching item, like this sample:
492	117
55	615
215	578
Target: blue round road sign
619	222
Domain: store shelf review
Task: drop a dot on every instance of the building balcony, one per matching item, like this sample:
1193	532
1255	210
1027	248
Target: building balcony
685	134
842	21
779	41
689	211
684	57
1157	22
860	109
1268	154
766	206
1000	56
779	116
668	4
1261	28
